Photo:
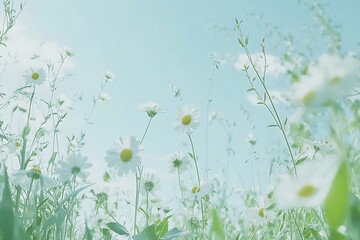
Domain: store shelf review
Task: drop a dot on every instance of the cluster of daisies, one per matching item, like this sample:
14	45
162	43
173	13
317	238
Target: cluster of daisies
74	167
125	157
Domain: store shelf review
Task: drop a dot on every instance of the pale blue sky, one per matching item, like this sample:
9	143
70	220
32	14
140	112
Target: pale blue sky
150	43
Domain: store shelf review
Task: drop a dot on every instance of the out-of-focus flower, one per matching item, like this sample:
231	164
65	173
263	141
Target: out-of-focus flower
204	189
103	96
32	180
187	119
74	166
251	139
331	78
109	76
259	214
68	52
125	157
151	108
310	188
63	102
150	183
178	162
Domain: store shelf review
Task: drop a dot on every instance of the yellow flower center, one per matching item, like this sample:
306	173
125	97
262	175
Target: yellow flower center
186	120
307	98
35	76
335	80
126	155
17	144
261	212
306	191
195	189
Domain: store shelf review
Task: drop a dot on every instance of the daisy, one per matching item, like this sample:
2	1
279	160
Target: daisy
179	162
327	80
125	157
73	167
310	188
32	179
187	120
34	76
259	214
109	76
202	190
151	108
150	183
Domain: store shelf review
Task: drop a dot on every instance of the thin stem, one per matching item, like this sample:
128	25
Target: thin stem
147	208
252	237
297	226
198	178
178	173
147	127
137	183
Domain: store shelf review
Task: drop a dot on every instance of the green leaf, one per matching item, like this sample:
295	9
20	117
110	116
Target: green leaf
247	40
173	233
216	227
52	158
117	228
147	234
88	234
354	218
161	227
310	231
106	233
7	222
336	206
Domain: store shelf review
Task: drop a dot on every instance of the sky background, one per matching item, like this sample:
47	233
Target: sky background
149	44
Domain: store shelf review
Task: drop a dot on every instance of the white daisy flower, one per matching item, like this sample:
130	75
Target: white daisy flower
187	120
103	96
109	76
151	108
310	188
178	162
259	214
73	167
125	157
331	78
32	180
201	191
35	76
150	183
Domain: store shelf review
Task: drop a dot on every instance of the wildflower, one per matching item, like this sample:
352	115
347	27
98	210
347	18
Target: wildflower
188	119
331	78
150	183
178	162
125	157
63	102
32	180
68	52
73	167
103	96
176	92
310	188
251	139
109	76
151	108
202	190
34	76
260	214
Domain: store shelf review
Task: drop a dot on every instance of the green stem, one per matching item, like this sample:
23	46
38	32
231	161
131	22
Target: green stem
147	127
198	178
147	208
178	173
252	237
297	226
137	183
